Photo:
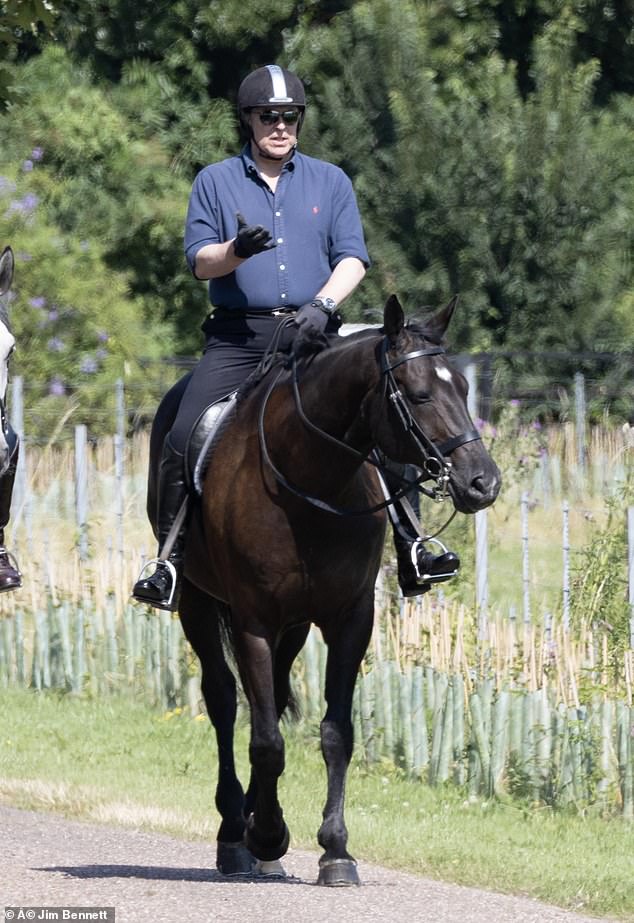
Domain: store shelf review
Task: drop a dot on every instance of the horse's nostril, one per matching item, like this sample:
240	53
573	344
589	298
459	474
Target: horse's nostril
484	486
478	484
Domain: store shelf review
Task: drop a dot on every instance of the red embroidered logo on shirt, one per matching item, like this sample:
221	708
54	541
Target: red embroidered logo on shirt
315	209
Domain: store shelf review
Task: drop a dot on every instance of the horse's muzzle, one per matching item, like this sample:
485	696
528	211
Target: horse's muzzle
477	490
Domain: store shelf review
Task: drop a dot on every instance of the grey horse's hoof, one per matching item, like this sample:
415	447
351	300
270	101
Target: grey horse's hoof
338	873
234	859
273	869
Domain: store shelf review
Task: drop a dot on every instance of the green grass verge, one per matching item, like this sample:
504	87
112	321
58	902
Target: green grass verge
118	762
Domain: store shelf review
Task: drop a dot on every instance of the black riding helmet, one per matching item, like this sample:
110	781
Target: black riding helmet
271	85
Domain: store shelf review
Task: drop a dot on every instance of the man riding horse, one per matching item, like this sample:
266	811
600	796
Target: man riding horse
278	235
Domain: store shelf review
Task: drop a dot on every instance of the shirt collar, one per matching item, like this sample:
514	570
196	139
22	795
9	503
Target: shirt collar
250	166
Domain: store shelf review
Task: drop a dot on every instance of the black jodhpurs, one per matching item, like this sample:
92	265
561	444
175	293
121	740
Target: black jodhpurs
236	343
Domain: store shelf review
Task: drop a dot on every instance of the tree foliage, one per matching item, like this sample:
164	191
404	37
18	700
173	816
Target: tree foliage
22	22
523	206
75	187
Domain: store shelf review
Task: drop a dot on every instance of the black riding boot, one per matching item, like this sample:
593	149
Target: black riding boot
10	576
162	588
418	568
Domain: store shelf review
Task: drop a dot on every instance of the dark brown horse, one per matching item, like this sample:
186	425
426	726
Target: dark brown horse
273	548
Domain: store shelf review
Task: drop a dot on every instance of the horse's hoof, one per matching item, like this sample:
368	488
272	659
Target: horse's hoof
273	869
267	852
338	873
234	859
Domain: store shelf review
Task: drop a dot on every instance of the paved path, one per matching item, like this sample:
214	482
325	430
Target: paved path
46	860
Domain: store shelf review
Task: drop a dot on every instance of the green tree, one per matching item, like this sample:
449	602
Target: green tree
204	48
463	33
523	206
107	176
74	181
77	329
22	25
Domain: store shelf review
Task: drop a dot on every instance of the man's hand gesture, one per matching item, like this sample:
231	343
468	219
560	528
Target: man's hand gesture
251	239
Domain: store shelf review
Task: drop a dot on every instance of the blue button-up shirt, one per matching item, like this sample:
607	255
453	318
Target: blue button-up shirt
312	215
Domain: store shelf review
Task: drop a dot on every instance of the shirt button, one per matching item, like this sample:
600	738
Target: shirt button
277	214
280	240
282	266
282	295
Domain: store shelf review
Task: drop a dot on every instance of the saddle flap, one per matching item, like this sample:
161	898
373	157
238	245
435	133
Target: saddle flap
202	438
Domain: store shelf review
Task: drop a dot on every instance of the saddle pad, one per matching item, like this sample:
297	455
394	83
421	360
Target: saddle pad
202	438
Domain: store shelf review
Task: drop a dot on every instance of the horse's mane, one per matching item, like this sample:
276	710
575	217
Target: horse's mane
414	325
249	384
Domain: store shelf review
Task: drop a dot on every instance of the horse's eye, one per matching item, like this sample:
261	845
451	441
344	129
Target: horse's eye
418	397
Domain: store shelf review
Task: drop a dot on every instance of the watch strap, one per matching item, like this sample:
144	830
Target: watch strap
329	305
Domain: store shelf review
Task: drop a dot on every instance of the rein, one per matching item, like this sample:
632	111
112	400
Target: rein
435	466
297	491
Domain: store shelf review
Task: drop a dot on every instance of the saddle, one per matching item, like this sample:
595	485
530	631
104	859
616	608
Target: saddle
202	439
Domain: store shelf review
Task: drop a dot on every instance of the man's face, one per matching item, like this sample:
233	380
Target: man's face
275	129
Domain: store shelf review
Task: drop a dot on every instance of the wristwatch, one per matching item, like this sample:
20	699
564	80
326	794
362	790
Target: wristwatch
326	304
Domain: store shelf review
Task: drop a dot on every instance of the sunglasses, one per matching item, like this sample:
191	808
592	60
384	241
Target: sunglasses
272	117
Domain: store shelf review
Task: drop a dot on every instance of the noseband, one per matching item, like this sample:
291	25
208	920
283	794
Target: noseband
435	466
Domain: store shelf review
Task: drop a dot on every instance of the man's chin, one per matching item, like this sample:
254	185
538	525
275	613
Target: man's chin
279	150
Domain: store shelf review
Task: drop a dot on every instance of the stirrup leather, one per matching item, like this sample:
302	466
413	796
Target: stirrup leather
162	562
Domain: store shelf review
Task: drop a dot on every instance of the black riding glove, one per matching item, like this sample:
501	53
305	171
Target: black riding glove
311	321
251	239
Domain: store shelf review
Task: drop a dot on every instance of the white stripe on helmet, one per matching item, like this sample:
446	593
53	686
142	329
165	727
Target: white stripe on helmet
280	91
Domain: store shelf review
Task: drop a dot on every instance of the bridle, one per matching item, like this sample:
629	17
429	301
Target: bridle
435	466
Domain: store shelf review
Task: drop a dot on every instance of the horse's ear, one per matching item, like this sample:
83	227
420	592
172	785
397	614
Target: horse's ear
6	270
393	317
436	326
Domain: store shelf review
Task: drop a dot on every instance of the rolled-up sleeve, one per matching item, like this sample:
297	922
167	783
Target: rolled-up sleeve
347	238
201	225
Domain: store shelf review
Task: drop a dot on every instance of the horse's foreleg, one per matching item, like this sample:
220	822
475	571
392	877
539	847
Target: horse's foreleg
287	650
345	652
200	616
290	644
267	835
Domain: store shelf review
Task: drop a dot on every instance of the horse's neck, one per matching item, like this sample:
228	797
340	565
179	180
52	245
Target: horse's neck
331	391
333	388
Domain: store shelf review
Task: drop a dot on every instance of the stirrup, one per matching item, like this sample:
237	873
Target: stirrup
164	562
12	559
430	578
